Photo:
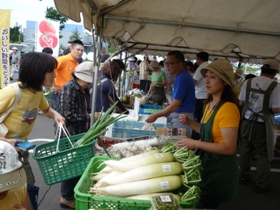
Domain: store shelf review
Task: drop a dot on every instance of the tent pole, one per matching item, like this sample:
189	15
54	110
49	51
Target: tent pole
96	62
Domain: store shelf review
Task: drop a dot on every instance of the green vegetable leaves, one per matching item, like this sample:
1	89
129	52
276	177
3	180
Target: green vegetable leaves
100	126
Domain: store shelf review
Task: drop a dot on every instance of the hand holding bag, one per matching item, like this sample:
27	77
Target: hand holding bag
3	129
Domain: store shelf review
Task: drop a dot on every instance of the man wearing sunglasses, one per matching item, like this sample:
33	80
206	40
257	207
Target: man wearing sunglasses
183	93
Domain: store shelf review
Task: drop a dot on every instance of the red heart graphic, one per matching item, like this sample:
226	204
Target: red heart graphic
48	40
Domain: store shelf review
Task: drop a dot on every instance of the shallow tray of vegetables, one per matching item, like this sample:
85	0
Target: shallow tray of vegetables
85	200
109	141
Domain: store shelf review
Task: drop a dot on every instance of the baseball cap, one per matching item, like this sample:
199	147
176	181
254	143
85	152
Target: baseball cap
84	71
12	173
223	69
239	72
272	64
14	48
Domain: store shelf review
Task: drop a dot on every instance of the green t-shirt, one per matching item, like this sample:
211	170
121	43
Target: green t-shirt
158	77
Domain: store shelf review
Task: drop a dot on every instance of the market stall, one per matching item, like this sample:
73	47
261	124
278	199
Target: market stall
238	31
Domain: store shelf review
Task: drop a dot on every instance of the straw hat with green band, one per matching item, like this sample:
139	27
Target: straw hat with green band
223	69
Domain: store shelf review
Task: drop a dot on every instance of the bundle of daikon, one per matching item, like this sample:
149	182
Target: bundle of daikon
141	176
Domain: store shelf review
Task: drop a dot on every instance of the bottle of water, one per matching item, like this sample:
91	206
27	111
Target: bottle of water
136	107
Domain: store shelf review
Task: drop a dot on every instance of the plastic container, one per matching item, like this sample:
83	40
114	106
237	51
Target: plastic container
151	106
86	201
148	111
164	202
136	107
128	129
277	118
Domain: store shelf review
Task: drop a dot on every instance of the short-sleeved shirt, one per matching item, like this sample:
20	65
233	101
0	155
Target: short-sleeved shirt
21	119
144	65
15	57
184	91
66	65
15	196
256	99
200	89
104	89
158	77
228	116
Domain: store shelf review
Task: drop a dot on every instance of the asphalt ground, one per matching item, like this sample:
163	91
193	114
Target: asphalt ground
245	199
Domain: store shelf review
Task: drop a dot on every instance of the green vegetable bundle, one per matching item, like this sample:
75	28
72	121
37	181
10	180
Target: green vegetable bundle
191	165
100	126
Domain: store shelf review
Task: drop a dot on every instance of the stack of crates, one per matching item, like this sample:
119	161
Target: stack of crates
128	129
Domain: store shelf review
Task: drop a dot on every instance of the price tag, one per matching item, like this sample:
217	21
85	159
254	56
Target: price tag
165	198
143	155
159	155
164	185
166	168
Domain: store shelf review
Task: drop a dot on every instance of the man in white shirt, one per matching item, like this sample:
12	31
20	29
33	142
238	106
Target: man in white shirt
15	61
144	74
260	100
200	89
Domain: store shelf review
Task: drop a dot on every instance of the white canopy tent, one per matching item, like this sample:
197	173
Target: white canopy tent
244	31
238	30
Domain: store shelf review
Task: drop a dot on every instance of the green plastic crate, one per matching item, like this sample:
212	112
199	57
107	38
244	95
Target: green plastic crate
67	163
85	201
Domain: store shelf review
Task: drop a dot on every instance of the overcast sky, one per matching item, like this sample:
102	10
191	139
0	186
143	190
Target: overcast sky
23	10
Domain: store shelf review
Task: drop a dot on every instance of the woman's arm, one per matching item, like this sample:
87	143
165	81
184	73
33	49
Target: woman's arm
193	124
227	147
12	141
163	82
51	113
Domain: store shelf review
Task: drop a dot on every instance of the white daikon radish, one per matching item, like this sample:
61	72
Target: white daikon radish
98	176
149	196
147	160
155	185
146	172
109	176
107	169
154	151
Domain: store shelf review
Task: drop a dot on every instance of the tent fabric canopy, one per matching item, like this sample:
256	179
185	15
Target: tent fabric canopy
238	30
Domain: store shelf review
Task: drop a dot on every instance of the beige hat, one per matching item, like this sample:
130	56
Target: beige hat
272	64
223	69
12	174
154	64
239	72
84	71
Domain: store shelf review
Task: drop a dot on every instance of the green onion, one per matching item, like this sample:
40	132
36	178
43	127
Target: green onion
100	126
